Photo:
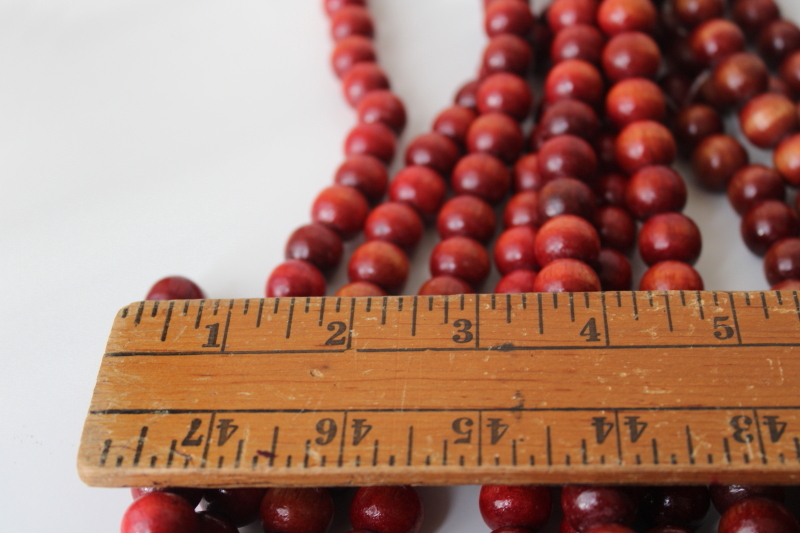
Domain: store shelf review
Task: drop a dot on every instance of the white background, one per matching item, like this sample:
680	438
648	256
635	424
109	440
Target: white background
144	138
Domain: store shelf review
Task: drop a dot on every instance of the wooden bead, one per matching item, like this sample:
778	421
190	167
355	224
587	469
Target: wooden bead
193	496
670	237
767	119
332	6
782	261
514	250
723	496
610	190
175	288
360	289
394	222
421	188
295	278
565	117
752	185
739	77
715	40
690	13
671	276
758	515
678	505
516	282
576	79
631	55
213	523
385	107
352	50
433	150
767	223
445	286
466	216
508	16
507	53
482	175
317	244
633	100
753	15
159	512
786	159
580	41
343	209
614	271
653	190
566	196
365	173
522	210
526	174
617	16
716	159
496	134
296	510
361	79
351	20
524	506
240	506
388	509
465	96
616	228
777	40
454	122
567	156
565	13
566	275
381	263
460	257
644	143
696	122
790	71
567	237
505	93
587	506
371	139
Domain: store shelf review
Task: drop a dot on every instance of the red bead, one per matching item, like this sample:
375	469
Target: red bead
505	93
631	55
366	174
295	510
580	41
159	512
671	276
352	50
317	244
175	288
567	237
565	13
723	496
433	150
466	95
387	510
445	286
566	275
565	117
767	223
193	496
360	289
526	174
617	16
516	282
341	208
295	278
522	210
496	134
385	107
525	506
576	79
566	196
508	16
240	506
690	13
361	79
351	20
507	53
753	15
482	175
782	261
466	216
567	156
777	40
420	187
716	39
585	507
381	263
670	237
371	139
753	184
778	86
790	71
514	251
396	223
610	190
454	122
461	257
211	523
786	159
614	271
332	6
566	527
644	143
633	100
676	505
787	285
696	122
716	159
757	515
653	190
606	148
676	88
738	78
616	228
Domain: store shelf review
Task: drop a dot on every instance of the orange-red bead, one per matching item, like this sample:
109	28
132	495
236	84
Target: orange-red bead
461	257
671	276
381	263
371	139
341	208
420	187
644	143
566	275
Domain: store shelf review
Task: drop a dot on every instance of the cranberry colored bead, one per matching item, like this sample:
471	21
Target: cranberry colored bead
317	244
193	496
777	40
525	506
420	187
716	159
381	263
454	122
482	175
508	16
351	20
670	237
433	150
782	261
522	210
753	15
361	79
507	53
690	13
752	185
394	222
514	251
576	79
723	496
461	257
567	237
341	208
616	228
211	523
631	55
387	509
505	93
790	71
610	190
653	190
526	174
352	50
585	507
716	39
768	118
580	41
767	223
567	156
614	271
466	216
332	6
566	117
175	288
371	139
445	286
466	95
296	510
566	196
676	505
295	278
644	143
159	512
617	16
757	515
787	285
696	122
385	107
778	86
566	13
566	527
516	282
671	276
633	100
358	289
566	275
738	78
786	159
496	134
365	173
240	506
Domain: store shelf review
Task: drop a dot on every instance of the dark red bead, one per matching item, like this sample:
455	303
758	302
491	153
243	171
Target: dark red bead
385	107
445	286
565	13
738	78
351	20
580	41
317	244
610	190
508	16
514	251
467	216
505	93
671	276
420	187
676	505
723	496
332	6
175	288
715	40
482	175
361	79
782	261
193	496
631	55
516	282
566	275
295	278
753	184
394	222
767	223
365	173
653	190
753	15
567	237
576	79
566	527
507	53
787	285
387	510
696	122
240	506
605	147
454	122
341	208
496	134
778	86
566	117
433	150
757	515
526	174
777	40
381	263
716	159
616	228
375	140
522	210
524	506
212	523
676	87
359	289
790	71
617	16
670	237
296	510
461	257
567	156
614	271
644	143
159	512
690	13
786	159
585	507
566	196
633	100
352	50
466	95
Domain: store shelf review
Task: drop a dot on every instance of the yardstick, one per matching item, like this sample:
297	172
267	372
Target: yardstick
615	387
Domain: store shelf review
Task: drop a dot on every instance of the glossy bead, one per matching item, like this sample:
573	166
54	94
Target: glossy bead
342	209
421	188
507	53
295	278
777	40
332	6
445	286
752	185
644	143
616	228
581	41
159	512
567	237
359	289
508	16
482	175
526	506
767	223
526	174
496	134
396	223
317	244
782	261
505	93
653	190
175	288
790	71
787	285
566	275
614	271
454	122
465	96
193	496
361	79
786	159
696	122
374	139
739	77
676	505
690	13
585	506
670	237
352	50
516	282
522	210
385	107
633	100
296	510
240	506
716	39
365	173
566	117
514	251
433	150
565	13
351	20
778	86
631	55
387	509
671	276
576	79
716	159
753	15
566	196
567	156
617	16
723	496
768	118
757	515
212	523
381	263
461	257
610	190
466	216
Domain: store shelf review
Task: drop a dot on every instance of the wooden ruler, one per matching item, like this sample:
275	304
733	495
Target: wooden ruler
617	387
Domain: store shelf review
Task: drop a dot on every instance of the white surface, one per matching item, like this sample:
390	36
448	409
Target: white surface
140	139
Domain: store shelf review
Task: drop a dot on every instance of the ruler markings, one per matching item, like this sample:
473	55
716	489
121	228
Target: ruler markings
480	438
107	447
619	298
350	327
139	446
668	310
650	298
764	305
494	303
735	318
654	445
338	304
683	299
430	303
635	306
760	437
208	440
124	312
383	311
446	308
571	307
154	312
462	302
779	297
413	318
549	447
369	305
289	320
322	312
375	454
555	300
227	325
305	456
166	322
726	447
171	455
221	461
796	304
524	301
477	321
605	318
584	453
277	306
619	436
273	451
139	311
513	452
444	452
308	304
185	308
239	449
411	446
216	307
716	298
508	308
747	299
797	448
689	444
586	300
260	312
400	304
340	461
247	307
153	461
700	305
541	315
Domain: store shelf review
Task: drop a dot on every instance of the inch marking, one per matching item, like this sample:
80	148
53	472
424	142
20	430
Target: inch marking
185	308
239	449
410	445
277	306
605	317
383	311
414	318
683	299
735	318
124	313
350	329
260	312
524	301
764	305
689	444
171	453
779	297
446	308
208	440
549	446
338	304
586	300
541	314
375	454
444	452
716	299
400	304
619	437
430	303
227	325
478	322
619	298
216	307
139	314
308	305
650	298
508	308
274	448
322	311
571	307
654	444
199	314
340	461
584	453
747	299
462	302
668	310
139	446
494	302
726	447
369	305
635	306
166	322
555	300
291	316
760	438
